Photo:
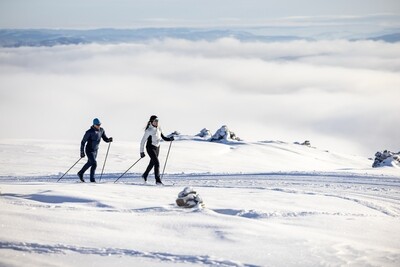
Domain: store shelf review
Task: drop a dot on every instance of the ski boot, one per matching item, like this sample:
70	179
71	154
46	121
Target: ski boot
80	175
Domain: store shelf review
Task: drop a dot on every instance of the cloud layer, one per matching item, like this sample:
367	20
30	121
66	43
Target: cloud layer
341	95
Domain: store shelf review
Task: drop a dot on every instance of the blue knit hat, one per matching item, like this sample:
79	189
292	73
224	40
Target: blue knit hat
96	121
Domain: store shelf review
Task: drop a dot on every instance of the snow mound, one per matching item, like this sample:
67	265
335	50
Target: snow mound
386	158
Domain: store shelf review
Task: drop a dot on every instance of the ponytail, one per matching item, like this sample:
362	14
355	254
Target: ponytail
148	124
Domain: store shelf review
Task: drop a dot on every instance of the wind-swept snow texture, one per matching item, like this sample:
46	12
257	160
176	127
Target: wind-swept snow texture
273	216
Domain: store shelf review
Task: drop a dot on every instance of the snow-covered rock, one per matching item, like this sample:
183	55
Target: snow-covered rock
204	133
224	134
305	143
188	198
386	158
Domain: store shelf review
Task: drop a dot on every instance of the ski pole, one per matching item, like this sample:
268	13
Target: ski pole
68	170
127	170
109	144
165	164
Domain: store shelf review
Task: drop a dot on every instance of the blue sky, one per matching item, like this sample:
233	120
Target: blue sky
144	13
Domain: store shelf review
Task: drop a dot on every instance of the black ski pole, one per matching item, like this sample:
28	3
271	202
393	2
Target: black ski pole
109	144
127	170
69	170
166	159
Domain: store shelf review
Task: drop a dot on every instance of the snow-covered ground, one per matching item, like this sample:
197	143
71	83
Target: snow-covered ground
267	203
188	155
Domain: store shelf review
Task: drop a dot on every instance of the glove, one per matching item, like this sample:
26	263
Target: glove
82	154
142	155
171	138
110	139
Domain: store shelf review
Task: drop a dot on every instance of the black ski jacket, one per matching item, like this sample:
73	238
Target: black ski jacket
93	138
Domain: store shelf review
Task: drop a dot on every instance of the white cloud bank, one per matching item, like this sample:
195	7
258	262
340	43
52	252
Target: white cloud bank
341	95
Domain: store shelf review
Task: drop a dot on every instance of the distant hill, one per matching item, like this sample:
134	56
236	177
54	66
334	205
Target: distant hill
47	37
389	38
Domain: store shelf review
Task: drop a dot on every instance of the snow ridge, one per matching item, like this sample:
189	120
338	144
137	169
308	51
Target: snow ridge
159	256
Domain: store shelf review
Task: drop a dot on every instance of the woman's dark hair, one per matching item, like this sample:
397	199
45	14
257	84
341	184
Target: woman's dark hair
152	118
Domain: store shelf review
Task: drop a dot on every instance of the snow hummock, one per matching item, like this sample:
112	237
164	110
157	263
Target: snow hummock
266	203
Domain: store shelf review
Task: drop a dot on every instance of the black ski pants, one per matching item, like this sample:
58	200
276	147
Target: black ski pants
91	163
153	152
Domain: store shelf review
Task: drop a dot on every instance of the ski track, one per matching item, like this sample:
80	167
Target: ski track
160	256
376	192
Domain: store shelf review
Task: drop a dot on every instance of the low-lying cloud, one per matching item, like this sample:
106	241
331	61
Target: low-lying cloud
334	93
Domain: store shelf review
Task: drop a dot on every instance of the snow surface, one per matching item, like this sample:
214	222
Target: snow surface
267	203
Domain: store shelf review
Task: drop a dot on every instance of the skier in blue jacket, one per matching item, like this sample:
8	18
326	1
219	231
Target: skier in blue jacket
151	138
92	140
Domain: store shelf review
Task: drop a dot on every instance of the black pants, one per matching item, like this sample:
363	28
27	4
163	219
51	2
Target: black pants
91	155
153	152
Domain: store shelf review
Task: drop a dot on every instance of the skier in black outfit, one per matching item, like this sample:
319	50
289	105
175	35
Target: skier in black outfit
92	137
153	135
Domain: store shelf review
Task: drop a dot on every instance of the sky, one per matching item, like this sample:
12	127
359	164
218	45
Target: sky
178	13
340	95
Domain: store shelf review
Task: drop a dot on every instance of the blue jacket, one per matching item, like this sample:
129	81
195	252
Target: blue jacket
93	138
